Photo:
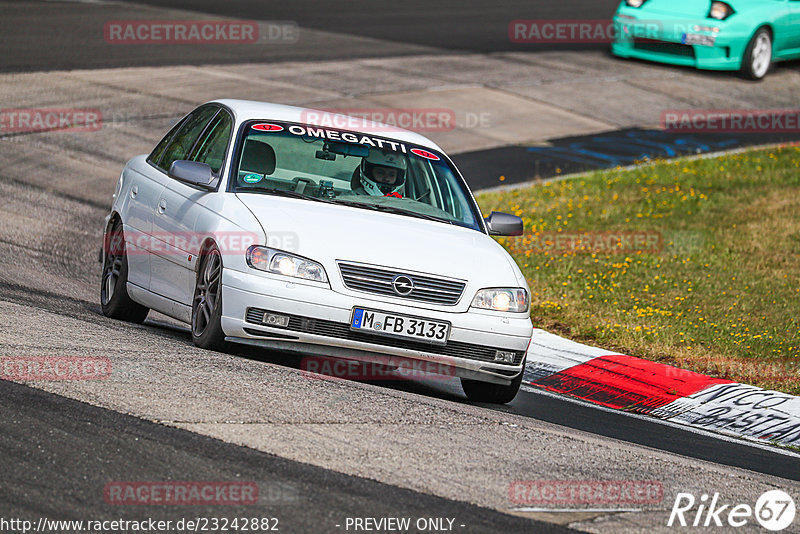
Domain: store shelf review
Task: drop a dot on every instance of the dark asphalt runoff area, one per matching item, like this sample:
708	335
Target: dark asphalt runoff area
59	455
471	25
620	148
39	35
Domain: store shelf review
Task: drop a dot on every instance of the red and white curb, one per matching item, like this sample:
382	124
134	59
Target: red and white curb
641	386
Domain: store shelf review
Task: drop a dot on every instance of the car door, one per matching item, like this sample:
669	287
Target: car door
142	186
180	207
792	30
785	33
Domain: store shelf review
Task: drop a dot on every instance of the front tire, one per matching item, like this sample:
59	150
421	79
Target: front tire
478	391
114	298
757	58
207	302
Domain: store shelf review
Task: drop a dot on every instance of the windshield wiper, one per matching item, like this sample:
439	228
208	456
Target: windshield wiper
375	207
391	209
281	193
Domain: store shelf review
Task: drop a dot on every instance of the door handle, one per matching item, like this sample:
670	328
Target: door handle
162	205
134	191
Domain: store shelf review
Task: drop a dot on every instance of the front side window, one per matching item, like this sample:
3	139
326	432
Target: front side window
185	138
351	168
213	144
158	151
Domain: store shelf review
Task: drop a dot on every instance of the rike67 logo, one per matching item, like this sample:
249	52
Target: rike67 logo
774	510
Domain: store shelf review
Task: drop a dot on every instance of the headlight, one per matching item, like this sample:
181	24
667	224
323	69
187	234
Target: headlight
279	262
720	11
635	3
513	299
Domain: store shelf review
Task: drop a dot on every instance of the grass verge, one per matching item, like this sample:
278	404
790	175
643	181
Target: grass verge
693	263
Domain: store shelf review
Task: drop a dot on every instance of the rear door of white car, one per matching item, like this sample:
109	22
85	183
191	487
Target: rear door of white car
181	213
142	186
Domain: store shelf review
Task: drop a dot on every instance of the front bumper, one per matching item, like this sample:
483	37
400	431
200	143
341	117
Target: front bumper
663	41
320	325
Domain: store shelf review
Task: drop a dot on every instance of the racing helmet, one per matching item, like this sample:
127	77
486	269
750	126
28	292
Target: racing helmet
382	162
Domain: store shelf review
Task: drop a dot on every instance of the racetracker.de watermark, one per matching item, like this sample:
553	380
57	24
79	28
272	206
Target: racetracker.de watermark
559	493
193	32
552	31
395	119
777	371
731	120
181	243
387	368
388	119
180	493
54	368
28	120
589	242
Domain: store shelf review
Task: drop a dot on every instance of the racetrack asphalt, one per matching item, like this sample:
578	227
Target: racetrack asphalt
253	412
59	455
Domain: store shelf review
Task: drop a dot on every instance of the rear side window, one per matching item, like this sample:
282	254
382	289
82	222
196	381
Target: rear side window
180	145
213	144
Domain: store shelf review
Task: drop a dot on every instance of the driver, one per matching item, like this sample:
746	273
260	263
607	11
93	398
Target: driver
382	173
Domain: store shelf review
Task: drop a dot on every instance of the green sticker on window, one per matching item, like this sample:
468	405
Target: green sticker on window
252	178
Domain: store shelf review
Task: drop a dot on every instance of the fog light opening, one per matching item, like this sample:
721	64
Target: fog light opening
502	356
273	319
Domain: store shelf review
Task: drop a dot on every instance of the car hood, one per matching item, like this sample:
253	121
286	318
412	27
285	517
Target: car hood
328	233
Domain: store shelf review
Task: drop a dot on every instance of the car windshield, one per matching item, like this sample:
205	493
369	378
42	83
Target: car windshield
353	169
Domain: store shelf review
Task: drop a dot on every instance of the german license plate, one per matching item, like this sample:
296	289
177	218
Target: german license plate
400	326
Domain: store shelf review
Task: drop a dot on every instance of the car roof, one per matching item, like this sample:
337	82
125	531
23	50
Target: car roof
250	109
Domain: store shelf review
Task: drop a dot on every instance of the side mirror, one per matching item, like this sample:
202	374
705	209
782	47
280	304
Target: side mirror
504	224
192	173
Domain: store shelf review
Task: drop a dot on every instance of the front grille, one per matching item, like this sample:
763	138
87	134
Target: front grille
663	47
322	327
377	280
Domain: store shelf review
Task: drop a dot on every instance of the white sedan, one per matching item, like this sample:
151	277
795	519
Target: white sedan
255	225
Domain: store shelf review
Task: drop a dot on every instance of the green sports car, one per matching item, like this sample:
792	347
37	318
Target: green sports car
744	35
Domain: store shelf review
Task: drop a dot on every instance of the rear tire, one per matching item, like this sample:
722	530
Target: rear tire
207	302
757	59
114	298
478	391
